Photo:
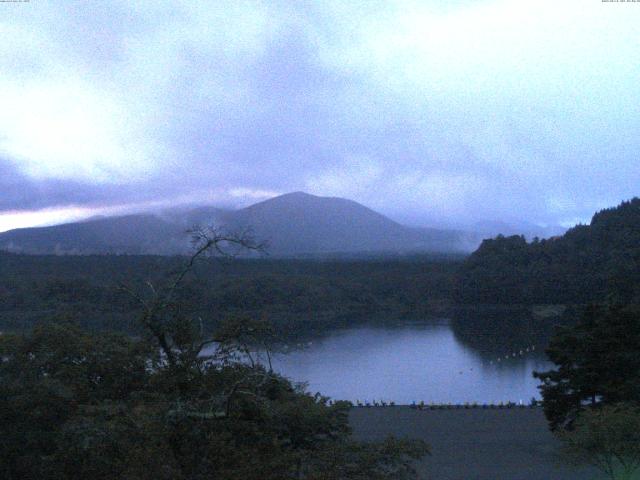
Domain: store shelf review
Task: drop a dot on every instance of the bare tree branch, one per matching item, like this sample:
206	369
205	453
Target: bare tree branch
205	241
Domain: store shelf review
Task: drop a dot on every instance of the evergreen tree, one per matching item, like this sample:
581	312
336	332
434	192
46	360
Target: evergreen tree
597	363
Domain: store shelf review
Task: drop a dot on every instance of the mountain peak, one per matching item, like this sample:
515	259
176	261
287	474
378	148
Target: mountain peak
298	194
292	224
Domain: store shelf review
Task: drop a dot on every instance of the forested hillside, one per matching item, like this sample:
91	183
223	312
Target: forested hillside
298	296
589	263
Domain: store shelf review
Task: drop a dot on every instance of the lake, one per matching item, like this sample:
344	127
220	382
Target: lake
413	363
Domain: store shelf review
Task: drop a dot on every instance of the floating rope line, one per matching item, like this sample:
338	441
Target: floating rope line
449	406
516	354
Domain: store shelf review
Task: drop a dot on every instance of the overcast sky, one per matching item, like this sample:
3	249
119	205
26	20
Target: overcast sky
433	112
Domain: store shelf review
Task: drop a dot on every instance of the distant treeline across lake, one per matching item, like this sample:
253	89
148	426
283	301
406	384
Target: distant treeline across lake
300	297
598	263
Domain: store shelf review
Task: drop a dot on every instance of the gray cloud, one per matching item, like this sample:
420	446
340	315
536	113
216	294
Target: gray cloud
19	192
432	112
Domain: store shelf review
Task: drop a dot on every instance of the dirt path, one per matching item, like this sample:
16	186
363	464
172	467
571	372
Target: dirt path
474	444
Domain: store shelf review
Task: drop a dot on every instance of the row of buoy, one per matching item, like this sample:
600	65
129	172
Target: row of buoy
467	405
297	345
375	403
519	353
516	354
452	406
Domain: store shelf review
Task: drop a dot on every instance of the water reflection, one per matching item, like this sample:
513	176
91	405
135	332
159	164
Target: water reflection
497	333
429	363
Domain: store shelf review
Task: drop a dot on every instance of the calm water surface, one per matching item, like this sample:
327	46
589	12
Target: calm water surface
413	363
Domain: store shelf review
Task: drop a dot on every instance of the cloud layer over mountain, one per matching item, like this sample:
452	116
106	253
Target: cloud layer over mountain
438	112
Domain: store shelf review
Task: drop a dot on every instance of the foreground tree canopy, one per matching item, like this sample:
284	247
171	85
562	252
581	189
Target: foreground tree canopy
607	438
597	364
75	404
78	405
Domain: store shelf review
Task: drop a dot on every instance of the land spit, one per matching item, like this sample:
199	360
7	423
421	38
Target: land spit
474	444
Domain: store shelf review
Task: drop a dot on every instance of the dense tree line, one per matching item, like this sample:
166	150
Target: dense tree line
589	263
298	296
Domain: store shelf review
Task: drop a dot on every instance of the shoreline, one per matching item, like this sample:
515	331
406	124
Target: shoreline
450	406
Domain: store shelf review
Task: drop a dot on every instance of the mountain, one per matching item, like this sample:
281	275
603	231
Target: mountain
589	263
135	234
299	223
293	224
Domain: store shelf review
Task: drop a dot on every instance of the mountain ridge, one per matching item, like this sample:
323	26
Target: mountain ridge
293	224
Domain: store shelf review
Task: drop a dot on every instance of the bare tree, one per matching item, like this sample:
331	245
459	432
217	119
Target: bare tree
182	340
177	342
